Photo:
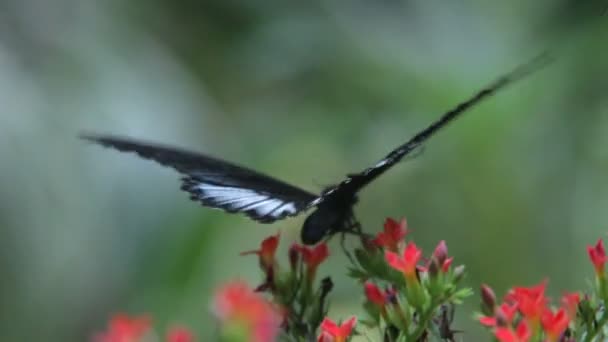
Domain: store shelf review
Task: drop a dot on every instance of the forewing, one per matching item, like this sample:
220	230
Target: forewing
355	182
219	184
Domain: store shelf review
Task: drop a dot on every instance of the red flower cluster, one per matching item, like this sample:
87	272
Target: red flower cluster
125	328
240	309
529	307
408	297
404	295
296	285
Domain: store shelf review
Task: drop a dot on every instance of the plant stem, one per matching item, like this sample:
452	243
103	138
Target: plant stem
426	316
600	324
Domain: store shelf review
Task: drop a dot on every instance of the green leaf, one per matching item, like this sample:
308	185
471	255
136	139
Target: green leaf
372	310
369	323
358	274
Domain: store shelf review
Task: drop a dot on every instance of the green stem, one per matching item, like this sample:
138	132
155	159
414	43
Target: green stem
421	327
590	336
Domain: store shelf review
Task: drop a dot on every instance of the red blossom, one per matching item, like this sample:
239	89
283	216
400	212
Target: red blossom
597	254
521	334
180	334
267	250
488	321
313	257
330	331
374	294
393	234
236	303
124	328
407	263
570	303
555	324
530	300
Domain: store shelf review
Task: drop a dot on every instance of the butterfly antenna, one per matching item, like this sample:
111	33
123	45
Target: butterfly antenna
518	73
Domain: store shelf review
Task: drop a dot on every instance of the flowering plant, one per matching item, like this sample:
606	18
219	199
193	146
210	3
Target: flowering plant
407	297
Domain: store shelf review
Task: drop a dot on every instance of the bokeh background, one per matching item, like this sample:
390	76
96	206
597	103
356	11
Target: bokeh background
307	91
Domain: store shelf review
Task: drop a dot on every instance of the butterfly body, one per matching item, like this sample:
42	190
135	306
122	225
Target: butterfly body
332	215
219	184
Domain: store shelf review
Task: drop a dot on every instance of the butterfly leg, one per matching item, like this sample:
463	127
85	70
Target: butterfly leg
352	226
355	228
344	249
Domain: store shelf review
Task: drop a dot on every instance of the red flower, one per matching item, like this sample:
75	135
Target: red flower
407	263
488	321
555	324
123	328
236	303
313	257
530	300
180	334
266	252
374	294
392	235
521	334
570	303
597	254
330	331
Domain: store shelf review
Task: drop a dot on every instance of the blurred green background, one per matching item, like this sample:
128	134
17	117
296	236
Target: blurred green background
307	91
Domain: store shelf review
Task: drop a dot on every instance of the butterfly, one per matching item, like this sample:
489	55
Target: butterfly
220	184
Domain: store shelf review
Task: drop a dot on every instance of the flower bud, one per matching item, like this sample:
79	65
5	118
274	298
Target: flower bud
294	257
459	272
391	295
374	294
488	300
433	268
441	252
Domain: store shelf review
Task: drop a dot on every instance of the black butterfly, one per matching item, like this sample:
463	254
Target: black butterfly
219	184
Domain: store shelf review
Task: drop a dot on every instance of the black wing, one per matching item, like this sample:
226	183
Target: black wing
355	182
219	184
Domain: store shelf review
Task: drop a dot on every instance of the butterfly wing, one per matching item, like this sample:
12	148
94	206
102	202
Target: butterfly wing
219	184
355	182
